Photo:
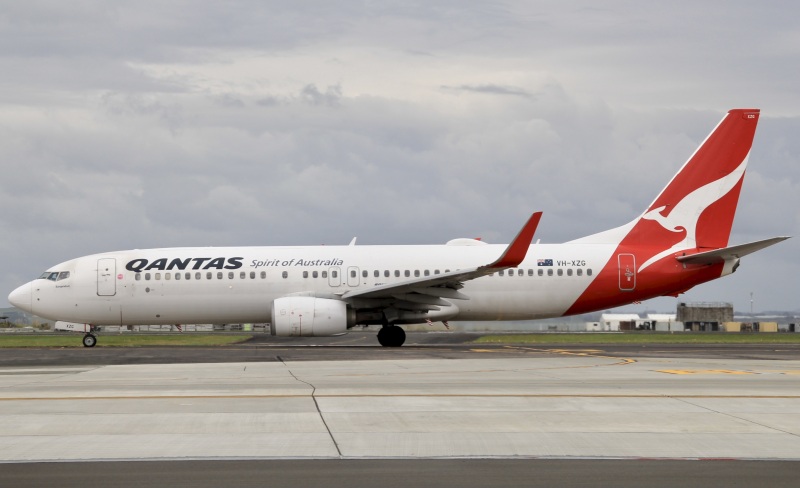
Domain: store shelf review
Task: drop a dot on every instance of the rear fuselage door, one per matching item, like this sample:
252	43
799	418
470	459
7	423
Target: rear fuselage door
627	272
106	277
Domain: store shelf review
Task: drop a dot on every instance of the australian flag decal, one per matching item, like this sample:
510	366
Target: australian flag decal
544	262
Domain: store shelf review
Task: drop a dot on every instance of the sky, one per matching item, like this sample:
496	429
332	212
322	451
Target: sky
174	123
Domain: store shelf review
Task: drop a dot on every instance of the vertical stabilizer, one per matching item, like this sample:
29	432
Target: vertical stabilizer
692	215
697	207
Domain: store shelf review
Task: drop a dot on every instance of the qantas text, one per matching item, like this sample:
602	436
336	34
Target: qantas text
164	264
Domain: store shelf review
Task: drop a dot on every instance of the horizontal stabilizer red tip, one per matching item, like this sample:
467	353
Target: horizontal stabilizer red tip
516	251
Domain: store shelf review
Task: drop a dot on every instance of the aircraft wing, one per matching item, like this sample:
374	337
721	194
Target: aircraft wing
427	293
726	253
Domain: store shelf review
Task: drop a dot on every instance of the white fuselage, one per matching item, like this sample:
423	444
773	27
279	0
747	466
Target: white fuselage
239	284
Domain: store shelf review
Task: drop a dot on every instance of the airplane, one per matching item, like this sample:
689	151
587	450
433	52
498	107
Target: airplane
678	242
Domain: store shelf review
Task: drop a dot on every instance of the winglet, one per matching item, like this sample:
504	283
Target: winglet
516	251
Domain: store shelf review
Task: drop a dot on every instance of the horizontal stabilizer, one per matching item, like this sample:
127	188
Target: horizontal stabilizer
726	253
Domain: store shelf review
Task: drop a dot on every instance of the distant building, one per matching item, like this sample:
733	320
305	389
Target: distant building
663	322
613	322
704	316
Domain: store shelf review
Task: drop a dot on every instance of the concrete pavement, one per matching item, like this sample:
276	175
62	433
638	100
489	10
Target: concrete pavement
569	404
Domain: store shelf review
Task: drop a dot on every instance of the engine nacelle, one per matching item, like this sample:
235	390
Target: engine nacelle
310	316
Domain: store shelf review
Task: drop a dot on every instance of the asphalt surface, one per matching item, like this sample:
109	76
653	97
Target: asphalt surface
364	346
459	473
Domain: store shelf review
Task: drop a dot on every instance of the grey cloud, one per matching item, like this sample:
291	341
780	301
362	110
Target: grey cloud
127	126
490	89
312	95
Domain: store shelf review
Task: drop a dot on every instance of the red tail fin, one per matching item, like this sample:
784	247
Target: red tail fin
694	213
697	207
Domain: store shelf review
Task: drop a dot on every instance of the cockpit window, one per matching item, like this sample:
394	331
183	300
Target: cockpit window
54	275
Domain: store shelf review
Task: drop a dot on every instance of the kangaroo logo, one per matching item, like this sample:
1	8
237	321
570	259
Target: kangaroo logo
684	215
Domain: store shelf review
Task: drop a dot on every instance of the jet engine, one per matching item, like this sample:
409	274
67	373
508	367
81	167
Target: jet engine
310	316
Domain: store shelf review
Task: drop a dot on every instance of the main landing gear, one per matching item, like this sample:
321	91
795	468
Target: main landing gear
391	336
89	340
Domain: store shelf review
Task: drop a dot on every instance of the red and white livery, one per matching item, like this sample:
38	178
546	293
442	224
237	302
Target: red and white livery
679	241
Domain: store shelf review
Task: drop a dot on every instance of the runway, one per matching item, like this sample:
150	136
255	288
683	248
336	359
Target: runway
533	406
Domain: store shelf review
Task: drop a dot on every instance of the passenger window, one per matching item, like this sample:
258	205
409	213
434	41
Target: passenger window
208	275
580	272
530	272
305	274
427	273
263	275
435	271
502	272
541	272
560	272
177	276
416	273
158	276
315	274
252	275
386	273
407	273
549	272
324	274
137	276
167	276
334	274
147	276
285	274
377	274
569	272
589	272
219	275
230	275
198	276
364	274
188	276
242	275
397	273
520	272
352	273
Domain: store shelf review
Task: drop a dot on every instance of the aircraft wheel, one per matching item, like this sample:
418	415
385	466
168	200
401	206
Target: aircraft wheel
391	336
89	340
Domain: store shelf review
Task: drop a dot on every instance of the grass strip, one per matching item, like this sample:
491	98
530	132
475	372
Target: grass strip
121	340
642	338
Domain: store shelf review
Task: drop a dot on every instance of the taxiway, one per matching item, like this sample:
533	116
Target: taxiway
439	401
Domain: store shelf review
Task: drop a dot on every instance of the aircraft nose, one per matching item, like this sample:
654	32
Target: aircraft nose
22	297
